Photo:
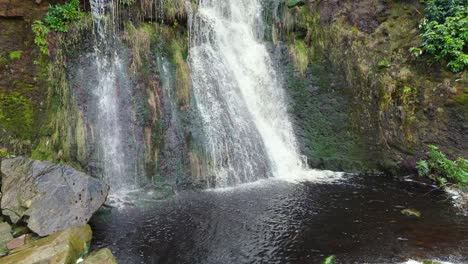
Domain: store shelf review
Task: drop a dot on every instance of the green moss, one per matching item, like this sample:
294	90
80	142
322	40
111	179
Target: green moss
3	61
173	43
174	9
3	152
139	42
300	55
16	114
383	64
183	79
15	55
62	130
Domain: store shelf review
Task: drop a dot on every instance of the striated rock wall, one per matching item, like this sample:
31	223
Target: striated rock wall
351	71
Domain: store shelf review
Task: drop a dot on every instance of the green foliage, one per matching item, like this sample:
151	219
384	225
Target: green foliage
16	55
3	152
330	260
41	31
423	168
16	114
59	16
58	19
445	32
442	169
383	64
299	53
415	52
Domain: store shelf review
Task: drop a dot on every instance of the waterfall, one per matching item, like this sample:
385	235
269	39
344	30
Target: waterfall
112	91
239	96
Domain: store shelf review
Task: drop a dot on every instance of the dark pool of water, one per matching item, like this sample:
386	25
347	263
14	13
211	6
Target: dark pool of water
358	221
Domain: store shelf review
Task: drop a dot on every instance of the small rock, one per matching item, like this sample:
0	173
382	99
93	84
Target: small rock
411	212
5	234
103	256
16	243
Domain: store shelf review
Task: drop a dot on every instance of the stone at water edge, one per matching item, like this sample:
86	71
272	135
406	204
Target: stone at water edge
54	197
63	247
5	237
102	256
16	243
411	212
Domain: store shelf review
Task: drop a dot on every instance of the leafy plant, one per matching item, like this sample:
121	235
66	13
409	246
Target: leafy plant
16	55
59	16
423	168
383	64
330	260
444	32
41	31
415	52
57	19
443	170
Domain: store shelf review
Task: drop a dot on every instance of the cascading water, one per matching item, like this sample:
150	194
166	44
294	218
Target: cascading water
115	137
238	95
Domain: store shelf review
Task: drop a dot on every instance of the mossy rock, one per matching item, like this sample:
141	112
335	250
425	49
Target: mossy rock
411	212
103	256
64	247
5	237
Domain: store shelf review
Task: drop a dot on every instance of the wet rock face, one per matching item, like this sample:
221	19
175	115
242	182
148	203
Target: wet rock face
49	197
21	8
21	89
373	105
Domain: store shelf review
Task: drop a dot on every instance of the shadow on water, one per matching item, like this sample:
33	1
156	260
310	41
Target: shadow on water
358	221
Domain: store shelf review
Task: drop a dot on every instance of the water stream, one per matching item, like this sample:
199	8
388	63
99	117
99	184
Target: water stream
119	156
239	97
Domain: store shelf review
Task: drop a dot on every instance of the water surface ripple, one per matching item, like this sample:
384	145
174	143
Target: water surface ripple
358	220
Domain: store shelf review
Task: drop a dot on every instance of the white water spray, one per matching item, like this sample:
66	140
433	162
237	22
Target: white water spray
111	92
239	97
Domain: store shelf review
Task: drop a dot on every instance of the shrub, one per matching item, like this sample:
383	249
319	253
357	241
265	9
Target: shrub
57	19
59	16
438	167
444	32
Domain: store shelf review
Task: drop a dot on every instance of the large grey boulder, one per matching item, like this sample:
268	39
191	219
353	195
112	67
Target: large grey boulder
54	197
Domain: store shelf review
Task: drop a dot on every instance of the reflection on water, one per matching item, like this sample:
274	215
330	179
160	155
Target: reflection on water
358	221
